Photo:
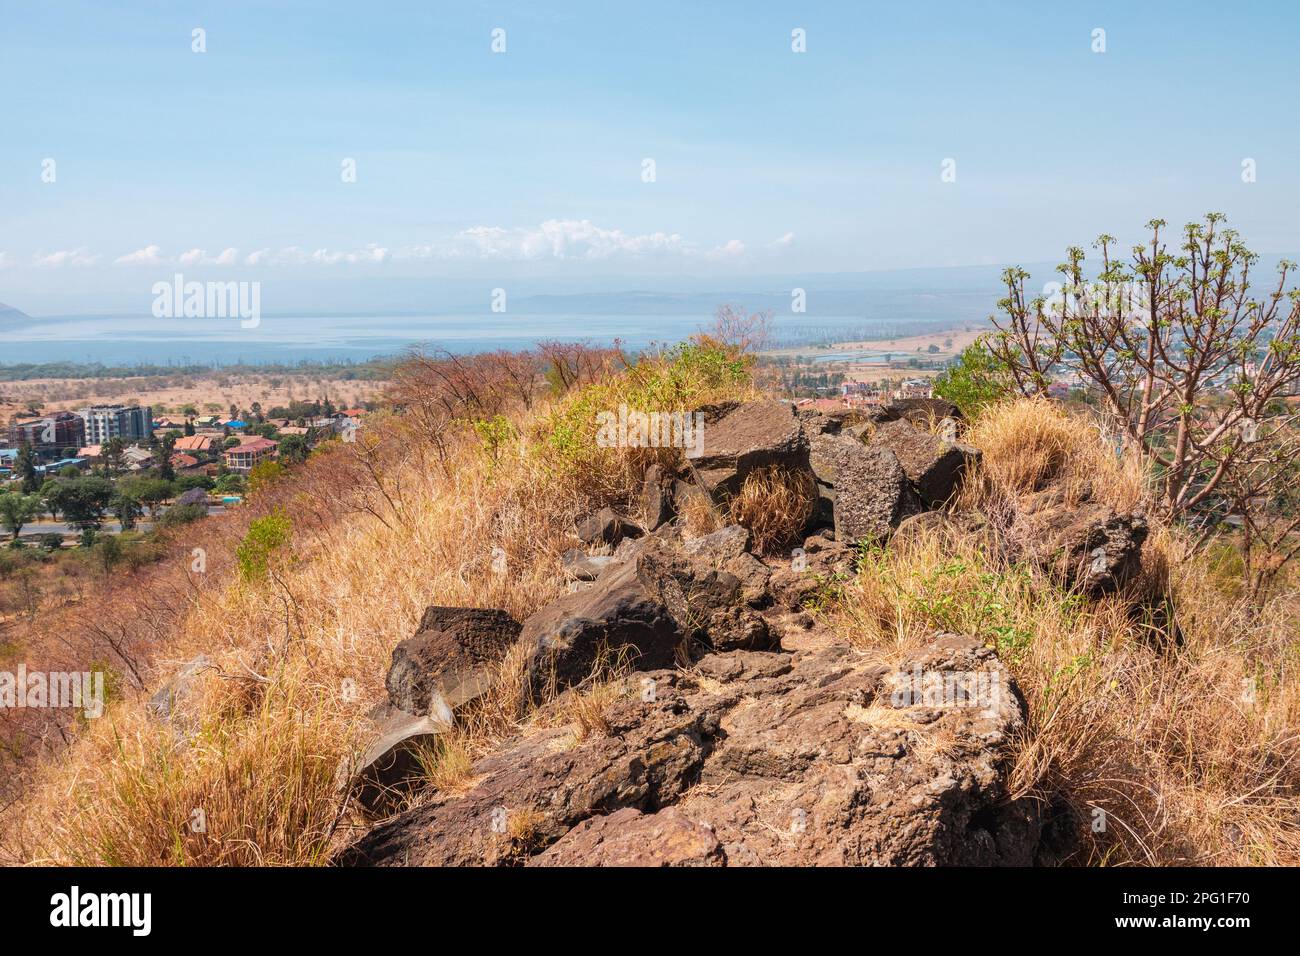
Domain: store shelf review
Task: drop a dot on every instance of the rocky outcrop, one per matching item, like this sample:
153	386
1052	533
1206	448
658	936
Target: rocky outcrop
629	837
864	491
826	756
1085	544
656	498
607	527
448	661
618	620
738	439
934	465
922	412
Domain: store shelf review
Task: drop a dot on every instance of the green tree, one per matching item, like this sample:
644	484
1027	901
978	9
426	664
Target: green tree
25	468
976	379
127	509
294	449
111	451
150	492
83	501
16	510
265	536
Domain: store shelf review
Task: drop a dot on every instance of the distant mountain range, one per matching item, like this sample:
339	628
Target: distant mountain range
13	318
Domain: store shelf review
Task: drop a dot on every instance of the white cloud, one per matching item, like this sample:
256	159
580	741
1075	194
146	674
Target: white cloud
733	249
148	256
79	258
553	240
561	239
200	257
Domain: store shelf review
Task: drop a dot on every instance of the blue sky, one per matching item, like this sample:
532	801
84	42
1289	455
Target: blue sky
529	163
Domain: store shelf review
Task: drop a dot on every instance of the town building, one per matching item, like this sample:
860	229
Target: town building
127	422
250	453
193	444
57	431
136	458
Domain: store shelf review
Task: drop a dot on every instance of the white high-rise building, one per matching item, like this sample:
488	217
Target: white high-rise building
128	422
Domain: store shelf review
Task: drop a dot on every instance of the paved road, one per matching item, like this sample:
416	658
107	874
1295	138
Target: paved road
34	530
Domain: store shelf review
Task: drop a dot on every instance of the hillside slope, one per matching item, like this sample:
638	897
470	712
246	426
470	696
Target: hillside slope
774	671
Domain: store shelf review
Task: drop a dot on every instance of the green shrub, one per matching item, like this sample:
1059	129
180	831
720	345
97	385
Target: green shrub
265	535
976	379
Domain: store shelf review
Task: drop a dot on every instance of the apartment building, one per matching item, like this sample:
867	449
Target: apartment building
127	422
60	430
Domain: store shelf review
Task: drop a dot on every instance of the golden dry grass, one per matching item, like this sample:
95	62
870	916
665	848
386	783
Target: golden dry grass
774	503
1190	749
300	656
1183	751
1030	442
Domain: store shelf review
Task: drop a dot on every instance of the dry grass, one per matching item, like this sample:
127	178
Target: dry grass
774	503
1187	751
426	518
700	515
1028	443
1163	737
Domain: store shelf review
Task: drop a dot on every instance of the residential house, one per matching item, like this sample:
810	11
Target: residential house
193	444
136	458
250	453
54	467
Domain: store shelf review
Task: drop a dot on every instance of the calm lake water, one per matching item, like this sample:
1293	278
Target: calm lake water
290	338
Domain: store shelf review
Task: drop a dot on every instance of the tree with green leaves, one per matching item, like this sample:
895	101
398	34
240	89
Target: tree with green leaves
25	469
974	380
111	451
17	510
1188	362
82	501
294	449
127	509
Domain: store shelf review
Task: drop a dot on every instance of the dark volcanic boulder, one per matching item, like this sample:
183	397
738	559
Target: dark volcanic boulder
934	466
656	500
721	545
864	488
746	437
538	787
922	411
390	765
448	661
708	602
617	619
824	757
607	527
1085	544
